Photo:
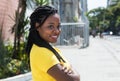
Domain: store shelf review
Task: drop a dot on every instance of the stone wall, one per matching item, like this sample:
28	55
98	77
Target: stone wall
69	10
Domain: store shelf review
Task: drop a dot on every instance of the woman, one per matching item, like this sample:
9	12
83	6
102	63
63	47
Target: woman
46	61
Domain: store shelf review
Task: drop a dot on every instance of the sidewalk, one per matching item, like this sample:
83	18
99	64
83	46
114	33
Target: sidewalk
98	62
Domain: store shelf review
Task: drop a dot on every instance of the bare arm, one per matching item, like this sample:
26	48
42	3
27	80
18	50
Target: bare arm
61	73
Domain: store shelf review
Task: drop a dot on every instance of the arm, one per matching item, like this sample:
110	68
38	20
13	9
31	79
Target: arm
61	73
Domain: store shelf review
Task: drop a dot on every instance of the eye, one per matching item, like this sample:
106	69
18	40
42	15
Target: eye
51	27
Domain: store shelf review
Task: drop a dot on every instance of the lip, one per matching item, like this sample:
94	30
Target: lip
54	37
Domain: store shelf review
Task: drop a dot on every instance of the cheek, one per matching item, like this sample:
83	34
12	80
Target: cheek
44	34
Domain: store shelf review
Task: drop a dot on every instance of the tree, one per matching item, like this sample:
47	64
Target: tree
21	22
99	18
33	3
41	2
18	28
4	59
115	18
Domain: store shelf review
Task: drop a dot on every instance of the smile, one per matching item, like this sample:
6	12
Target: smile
55	37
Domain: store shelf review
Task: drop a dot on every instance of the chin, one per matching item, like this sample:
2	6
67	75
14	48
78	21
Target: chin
53	41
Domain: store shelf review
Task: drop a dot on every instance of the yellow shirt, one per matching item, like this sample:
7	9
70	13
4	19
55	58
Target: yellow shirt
41	59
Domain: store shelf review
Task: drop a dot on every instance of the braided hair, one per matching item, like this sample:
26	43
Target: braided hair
40	15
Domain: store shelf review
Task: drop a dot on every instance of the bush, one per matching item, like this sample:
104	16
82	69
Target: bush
4	60
9	66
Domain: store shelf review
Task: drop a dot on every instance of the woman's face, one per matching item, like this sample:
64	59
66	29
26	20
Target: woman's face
50	29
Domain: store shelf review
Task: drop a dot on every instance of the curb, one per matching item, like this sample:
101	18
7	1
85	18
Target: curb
22	77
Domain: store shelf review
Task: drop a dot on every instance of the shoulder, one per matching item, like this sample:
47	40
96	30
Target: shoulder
37	49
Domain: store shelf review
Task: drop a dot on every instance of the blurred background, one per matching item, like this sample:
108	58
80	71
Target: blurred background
81	20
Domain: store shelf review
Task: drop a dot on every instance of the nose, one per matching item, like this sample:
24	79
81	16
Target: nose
57	31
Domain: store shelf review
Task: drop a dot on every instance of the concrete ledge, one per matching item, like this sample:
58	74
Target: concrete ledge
22	77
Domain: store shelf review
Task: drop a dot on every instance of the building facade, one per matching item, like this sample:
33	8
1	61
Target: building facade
7	18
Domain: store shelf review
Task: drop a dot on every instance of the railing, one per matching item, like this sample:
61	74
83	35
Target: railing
73	34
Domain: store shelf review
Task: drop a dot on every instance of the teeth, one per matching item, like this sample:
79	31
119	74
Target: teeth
54	36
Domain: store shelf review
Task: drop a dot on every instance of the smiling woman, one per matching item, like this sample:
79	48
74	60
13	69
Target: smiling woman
50	29
46	61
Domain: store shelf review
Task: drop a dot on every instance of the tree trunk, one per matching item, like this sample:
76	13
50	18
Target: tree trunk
20	15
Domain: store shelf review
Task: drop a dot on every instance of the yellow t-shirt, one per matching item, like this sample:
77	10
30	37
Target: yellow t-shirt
41	59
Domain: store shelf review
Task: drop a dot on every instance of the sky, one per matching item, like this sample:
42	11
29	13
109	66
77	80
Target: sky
96	3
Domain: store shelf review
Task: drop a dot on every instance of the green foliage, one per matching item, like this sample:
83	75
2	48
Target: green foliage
105	19
98	18
13	66
9	66
117	22
115	18
75	19
42	2
4	59
16	66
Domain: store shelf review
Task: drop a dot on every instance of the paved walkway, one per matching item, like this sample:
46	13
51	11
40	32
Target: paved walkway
98	62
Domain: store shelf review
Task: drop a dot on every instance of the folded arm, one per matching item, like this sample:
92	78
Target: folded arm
61	73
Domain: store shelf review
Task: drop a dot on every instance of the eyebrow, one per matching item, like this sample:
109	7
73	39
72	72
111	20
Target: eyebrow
51	23
54	23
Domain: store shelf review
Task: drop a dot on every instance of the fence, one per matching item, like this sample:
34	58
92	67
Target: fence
73	34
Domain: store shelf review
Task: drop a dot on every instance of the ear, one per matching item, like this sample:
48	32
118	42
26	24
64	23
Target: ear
37	26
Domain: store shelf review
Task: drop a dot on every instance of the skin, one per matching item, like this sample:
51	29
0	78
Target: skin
50	31
61	73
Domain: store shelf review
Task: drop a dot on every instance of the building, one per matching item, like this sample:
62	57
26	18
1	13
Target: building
7	18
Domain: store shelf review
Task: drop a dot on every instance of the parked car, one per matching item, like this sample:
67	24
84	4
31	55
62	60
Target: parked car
106	33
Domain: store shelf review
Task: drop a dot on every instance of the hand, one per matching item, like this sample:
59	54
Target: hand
66	70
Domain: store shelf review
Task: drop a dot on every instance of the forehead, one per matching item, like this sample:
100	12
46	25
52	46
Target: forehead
54	17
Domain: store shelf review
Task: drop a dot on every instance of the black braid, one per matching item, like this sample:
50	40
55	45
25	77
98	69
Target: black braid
40	15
